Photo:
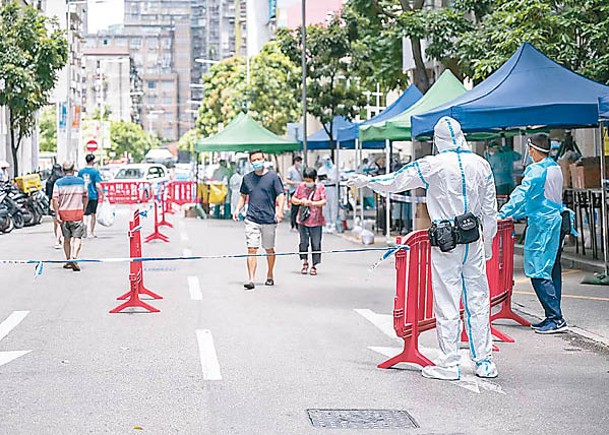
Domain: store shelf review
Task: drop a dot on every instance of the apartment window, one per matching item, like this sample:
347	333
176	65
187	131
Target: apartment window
152	43
135	43
168	116
167	85
167	100
151	84
166	43
152	99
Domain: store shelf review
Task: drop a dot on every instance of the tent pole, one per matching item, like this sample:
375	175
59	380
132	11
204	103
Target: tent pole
360	152
388	200
337	163
601	148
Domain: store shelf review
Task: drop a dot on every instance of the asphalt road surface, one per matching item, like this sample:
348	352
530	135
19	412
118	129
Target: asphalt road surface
220	360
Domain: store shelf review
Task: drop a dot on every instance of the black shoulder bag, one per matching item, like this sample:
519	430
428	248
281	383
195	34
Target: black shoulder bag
304	211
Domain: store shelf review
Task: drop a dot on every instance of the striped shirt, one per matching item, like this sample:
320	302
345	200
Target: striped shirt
70	193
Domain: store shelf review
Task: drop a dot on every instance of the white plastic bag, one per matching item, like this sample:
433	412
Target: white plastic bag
105	214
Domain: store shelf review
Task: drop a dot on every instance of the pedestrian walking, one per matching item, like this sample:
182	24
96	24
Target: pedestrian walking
234	185
310	196
539	199
93	180
293	180
328	174
264	191
69	203
460	196
56	174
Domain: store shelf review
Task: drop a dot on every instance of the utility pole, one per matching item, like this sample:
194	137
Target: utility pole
304	83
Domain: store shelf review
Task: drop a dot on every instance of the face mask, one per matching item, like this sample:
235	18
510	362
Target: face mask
328	163
309	185
258	165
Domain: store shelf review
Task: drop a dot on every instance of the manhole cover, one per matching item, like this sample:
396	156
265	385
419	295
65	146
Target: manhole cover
361	419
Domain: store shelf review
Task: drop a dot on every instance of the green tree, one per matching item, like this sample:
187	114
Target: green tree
47	123
572	32
188	141
32	51
271	97
333	88
129	139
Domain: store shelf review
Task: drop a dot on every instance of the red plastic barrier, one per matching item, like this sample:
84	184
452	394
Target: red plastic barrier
127	192
182	192
156	234
413	304
136	272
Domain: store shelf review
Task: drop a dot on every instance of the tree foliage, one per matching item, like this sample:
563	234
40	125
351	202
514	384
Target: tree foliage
188	141
572	32
271	97
32	51
129	139
333	87
47	124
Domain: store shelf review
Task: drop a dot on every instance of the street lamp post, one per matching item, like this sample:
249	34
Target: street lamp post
304	82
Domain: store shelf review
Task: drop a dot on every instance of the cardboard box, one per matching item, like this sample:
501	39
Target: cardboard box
586	173
565	167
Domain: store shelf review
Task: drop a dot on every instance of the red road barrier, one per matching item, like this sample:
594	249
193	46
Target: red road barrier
136	272
413	303
181	192
165	204
127	192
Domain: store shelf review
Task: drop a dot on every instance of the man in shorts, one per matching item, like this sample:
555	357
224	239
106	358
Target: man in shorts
265	209
93	181
69	202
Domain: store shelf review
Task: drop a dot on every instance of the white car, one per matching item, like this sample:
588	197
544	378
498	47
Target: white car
153	173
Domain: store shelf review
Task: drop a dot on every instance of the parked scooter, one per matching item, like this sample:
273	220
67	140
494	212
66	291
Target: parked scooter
32	208
6	220
16	212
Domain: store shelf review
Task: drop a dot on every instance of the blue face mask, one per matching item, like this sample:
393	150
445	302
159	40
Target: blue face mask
258	165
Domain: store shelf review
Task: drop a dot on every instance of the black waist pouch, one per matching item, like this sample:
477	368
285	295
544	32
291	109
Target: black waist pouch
467	229
442	235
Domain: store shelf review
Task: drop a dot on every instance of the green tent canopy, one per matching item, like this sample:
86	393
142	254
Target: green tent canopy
445	89
243	134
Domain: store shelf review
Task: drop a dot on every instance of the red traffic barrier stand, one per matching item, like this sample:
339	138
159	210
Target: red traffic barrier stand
135	251
182	192
413	303
164	200
134	297
156	234
414	265
136	273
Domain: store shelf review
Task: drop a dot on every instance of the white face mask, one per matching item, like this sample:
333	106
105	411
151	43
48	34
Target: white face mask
309	184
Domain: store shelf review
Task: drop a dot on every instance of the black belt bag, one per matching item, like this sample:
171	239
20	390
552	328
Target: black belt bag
446	235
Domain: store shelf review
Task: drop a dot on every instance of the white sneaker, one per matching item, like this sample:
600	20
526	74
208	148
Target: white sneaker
57	245
486	369
442	373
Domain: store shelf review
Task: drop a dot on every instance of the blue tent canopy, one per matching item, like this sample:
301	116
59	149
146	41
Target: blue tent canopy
346	132
603	107
403	103
528	91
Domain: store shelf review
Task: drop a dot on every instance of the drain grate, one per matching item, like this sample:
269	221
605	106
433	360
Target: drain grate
361	419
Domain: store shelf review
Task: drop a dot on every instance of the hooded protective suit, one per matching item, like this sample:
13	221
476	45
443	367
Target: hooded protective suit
457	181
330	170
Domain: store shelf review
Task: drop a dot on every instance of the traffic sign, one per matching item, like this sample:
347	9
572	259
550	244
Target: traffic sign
92	146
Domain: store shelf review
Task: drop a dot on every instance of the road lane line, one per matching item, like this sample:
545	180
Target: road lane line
384	322
13	320
209	359
592	298
194	287
187	252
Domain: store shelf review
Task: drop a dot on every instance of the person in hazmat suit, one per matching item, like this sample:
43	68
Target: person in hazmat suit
460	197
328	174
501	159
539	198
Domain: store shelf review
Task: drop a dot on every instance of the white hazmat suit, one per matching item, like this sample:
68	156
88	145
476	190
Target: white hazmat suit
457	181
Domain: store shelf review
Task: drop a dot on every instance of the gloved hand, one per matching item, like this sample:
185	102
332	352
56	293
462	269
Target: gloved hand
358	180
488	250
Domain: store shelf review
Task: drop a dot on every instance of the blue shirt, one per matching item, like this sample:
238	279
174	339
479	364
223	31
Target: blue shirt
91	177
263	190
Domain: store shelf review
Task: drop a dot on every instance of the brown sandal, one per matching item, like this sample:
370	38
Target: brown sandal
305	268
313	271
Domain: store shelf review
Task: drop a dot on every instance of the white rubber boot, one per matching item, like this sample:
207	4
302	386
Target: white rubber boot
486	369
442	373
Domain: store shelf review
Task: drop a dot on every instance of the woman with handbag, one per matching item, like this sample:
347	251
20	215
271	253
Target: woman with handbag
311	197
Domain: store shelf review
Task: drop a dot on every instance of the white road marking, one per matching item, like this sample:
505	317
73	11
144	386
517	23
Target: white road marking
194	287
7	357
183	236
384	322
13	320
209	359
187	252
5	328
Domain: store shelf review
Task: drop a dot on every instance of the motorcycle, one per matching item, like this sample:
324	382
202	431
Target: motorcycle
15	210
6	220
33	210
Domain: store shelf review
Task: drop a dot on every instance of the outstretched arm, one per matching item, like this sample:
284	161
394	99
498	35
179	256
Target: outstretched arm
409	177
